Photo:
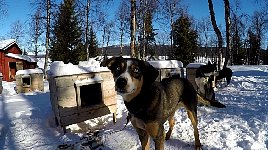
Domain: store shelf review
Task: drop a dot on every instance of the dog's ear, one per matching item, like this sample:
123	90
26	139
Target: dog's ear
109	62
150	73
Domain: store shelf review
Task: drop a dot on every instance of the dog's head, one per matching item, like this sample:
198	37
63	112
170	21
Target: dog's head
130	75
213	67
209	69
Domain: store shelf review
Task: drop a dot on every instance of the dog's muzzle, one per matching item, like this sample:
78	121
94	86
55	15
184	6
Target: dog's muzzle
121	84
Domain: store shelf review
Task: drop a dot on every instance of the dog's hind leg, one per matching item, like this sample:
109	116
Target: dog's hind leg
171	122
193	117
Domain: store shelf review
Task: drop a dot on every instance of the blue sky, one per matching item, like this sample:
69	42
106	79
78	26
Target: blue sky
21	10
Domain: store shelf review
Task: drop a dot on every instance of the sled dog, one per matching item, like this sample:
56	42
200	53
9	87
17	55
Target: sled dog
225	73
150	103
203	74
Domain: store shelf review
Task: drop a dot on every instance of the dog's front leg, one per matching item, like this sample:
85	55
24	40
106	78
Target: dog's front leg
144	139
156	131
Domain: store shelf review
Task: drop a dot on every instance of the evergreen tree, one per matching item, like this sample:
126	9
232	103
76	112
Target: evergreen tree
185	40
237	49
254	48
93	45
149	36
66	42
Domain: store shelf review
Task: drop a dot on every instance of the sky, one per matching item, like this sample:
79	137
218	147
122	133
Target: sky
22	9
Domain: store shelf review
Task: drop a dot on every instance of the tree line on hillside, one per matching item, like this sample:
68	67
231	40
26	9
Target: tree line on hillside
67	29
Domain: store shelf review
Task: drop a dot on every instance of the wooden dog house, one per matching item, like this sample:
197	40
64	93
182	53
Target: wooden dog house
82	95
29	80
168	68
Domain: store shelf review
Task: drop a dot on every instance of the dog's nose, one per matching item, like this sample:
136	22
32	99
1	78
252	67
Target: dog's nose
121	83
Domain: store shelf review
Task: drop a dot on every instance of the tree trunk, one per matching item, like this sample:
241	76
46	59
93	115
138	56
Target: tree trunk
171	22
121	39
103	40
47	37
133	28
228	59
217	31
87	30
37	29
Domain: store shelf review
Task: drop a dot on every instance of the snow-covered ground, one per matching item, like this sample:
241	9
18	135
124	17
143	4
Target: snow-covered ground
27	120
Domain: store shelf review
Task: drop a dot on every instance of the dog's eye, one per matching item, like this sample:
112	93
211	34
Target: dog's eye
118	68
136	70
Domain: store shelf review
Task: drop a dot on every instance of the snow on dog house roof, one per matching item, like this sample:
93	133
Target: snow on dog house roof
58	68
28	71
195	65
166	63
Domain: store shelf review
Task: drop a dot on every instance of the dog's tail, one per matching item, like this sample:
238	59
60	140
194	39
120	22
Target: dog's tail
209	102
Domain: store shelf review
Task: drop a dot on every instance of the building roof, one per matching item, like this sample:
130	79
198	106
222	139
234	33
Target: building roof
23	57
4	44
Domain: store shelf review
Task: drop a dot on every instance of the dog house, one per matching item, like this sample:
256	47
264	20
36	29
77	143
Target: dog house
168	68
79	93
29	80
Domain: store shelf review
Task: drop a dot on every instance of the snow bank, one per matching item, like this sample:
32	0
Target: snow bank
58	68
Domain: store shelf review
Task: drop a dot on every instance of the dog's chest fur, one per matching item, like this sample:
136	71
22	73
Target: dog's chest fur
157	101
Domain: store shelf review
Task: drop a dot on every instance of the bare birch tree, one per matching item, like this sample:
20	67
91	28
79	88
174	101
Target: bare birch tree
171	10
87	27
228	60
217	31
133	29
48	13
145	14
17	31
36	30
123	16
238	32
46	9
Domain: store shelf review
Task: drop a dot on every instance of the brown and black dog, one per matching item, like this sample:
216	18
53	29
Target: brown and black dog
151	103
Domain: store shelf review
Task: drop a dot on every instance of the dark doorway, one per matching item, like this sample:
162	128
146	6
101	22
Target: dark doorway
12	70
90	94
26	81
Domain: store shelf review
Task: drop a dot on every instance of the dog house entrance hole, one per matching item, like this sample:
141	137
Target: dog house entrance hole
26	80
90	94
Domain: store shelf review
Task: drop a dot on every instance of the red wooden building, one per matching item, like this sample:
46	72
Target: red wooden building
12	60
